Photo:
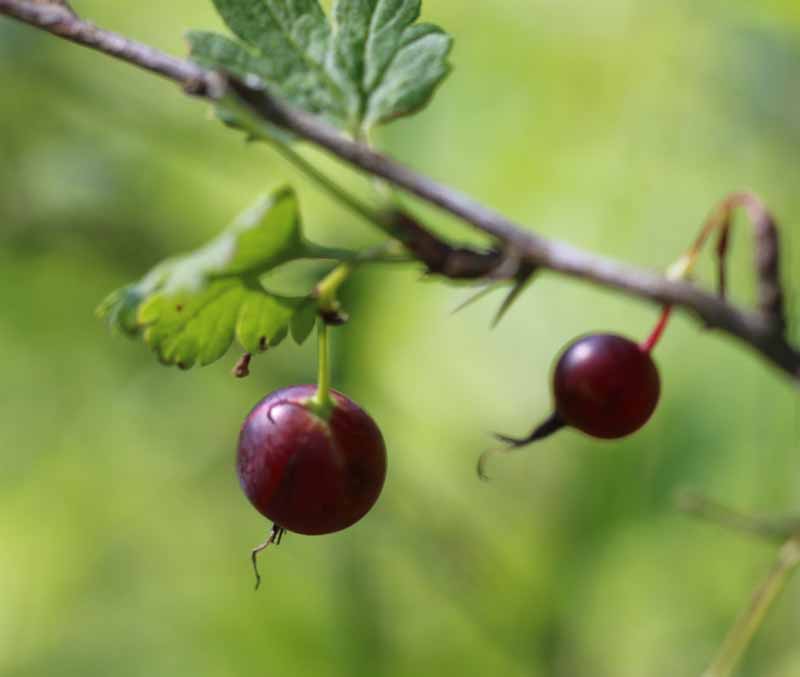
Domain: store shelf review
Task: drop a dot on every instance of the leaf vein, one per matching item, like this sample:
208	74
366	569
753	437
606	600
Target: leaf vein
316	67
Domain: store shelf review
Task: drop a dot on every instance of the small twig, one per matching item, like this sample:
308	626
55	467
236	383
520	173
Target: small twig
782	530
748	624
774	530
767	247
760	332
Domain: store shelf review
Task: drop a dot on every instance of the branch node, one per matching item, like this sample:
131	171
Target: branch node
441	258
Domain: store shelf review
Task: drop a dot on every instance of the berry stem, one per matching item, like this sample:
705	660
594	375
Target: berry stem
327	288
325	292
682	269
658	332
321	403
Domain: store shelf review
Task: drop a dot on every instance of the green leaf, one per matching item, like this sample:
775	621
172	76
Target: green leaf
190	308
409	82
377	64
394	64
302	323
285	43
186	328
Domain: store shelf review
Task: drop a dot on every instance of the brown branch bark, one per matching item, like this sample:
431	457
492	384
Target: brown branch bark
61	3
757	329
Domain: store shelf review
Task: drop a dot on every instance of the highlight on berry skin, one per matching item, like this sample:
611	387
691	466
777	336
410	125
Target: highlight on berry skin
604	385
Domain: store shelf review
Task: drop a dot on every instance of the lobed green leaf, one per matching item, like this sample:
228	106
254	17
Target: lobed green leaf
374	65
187	328
189	309
285	43
302	323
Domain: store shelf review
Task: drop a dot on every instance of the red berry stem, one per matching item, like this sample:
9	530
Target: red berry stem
658	332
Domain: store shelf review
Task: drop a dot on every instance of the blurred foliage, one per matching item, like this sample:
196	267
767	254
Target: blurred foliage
615	125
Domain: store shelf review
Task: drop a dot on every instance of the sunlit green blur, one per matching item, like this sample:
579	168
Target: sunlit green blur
613	124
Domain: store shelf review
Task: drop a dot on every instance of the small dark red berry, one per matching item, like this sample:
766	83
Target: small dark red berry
308	473
606	386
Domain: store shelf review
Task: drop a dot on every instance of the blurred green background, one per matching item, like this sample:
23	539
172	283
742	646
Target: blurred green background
124	537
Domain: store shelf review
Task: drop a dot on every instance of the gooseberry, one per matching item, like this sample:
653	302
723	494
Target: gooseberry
308	473
604	385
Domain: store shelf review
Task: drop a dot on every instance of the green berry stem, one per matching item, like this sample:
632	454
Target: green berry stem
321	403
326	295
328	287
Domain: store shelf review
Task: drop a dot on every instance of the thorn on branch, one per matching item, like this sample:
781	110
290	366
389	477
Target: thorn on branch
521	280
483	290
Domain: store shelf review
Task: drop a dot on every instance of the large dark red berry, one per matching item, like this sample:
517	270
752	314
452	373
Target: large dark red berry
310	473
606	386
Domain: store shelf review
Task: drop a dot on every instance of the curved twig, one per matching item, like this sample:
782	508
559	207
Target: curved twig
757	329
767	246
771	529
